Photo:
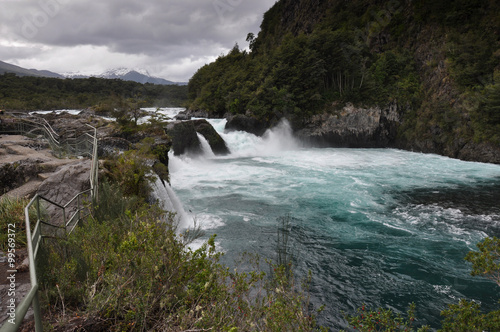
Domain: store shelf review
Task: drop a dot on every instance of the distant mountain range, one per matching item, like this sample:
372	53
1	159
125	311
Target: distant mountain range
19	71
136	75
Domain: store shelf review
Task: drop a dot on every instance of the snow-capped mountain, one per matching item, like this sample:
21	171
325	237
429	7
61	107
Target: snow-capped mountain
126	74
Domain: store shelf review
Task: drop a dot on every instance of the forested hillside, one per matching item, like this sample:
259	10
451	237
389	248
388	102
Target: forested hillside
40	93
437	61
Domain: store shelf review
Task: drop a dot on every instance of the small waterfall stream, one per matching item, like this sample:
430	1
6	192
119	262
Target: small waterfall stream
169	201
205	147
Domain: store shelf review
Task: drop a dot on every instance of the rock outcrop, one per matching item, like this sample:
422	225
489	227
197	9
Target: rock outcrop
63	185
352	127
24	164
191	113
109	145
184	138
216	142
246	123
13	175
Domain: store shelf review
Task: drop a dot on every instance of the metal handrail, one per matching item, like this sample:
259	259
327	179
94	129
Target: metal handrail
34	241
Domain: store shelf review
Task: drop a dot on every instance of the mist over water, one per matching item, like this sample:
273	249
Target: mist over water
375	226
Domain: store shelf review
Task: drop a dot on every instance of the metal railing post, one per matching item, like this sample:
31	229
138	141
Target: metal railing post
37	314
38	214
32	265
64	223
79	211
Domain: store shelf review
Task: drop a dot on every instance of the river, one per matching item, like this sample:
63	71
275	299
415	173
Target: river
377	226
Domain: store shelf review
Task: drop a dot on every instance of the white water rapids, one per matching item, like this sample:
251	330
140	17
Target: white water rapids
377	226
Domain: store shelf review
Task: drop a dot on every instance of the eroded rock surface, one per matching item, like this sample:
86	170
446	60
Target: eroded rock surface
352	127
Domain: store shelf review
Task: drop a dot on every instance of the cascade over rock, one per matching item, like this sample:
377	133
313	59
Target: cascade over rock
216	142
168	200
352	127
185	139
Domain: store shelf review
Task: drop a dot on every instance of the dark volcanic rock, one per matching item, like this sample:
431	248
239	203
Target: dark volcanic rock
184	138
13	175
182	116
246	123
109	145
216	142
352	127
486	153
197	114
161	146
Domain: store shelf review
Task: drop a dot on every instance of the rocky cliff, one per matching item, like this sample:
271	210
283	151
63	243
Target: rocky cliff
337	69
353	127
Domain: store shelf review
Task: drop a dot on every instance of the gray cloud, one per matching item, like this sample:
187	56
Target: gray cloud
164	34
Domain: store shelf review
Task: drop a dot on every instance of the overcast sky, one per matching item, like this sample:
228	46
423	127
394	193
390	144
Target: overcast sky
169	38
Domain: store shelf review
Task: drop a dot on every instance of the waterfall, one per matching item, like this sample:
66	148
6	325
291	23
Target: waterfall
242	144
205	147
169	201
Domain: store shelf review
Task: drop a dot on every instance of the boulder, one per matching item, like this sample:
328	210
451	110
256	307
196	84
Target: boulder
246	123
107	146
13	175
182	116
184	138
216	142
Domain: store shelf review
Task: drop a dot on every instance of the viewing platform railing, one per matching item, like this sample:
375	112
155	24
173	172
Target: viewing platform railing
79	144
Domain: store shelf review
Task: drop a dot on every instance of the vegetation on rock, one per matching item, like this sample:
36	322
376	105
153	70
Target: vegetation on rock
12	222
128	269
438	62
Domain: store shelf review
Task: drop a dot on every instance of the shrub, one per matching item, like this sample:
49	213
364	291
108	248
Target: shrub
12	213
129	269
130	171
383	320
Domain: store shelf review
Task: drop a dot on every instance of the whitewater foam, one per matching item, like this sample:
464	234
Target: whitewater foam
372	225
205	147
242	144
170	202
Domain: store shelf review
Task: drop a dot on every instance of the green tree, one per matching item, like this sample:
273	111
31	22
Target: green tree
486	261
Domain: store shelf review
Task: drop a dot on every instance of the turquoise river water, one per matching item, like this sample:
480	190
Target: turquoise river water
376	226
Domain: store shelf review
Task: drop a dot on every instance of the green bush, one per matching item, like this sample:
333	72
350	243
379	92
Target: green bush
12	218
130	171
128	269
381	319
